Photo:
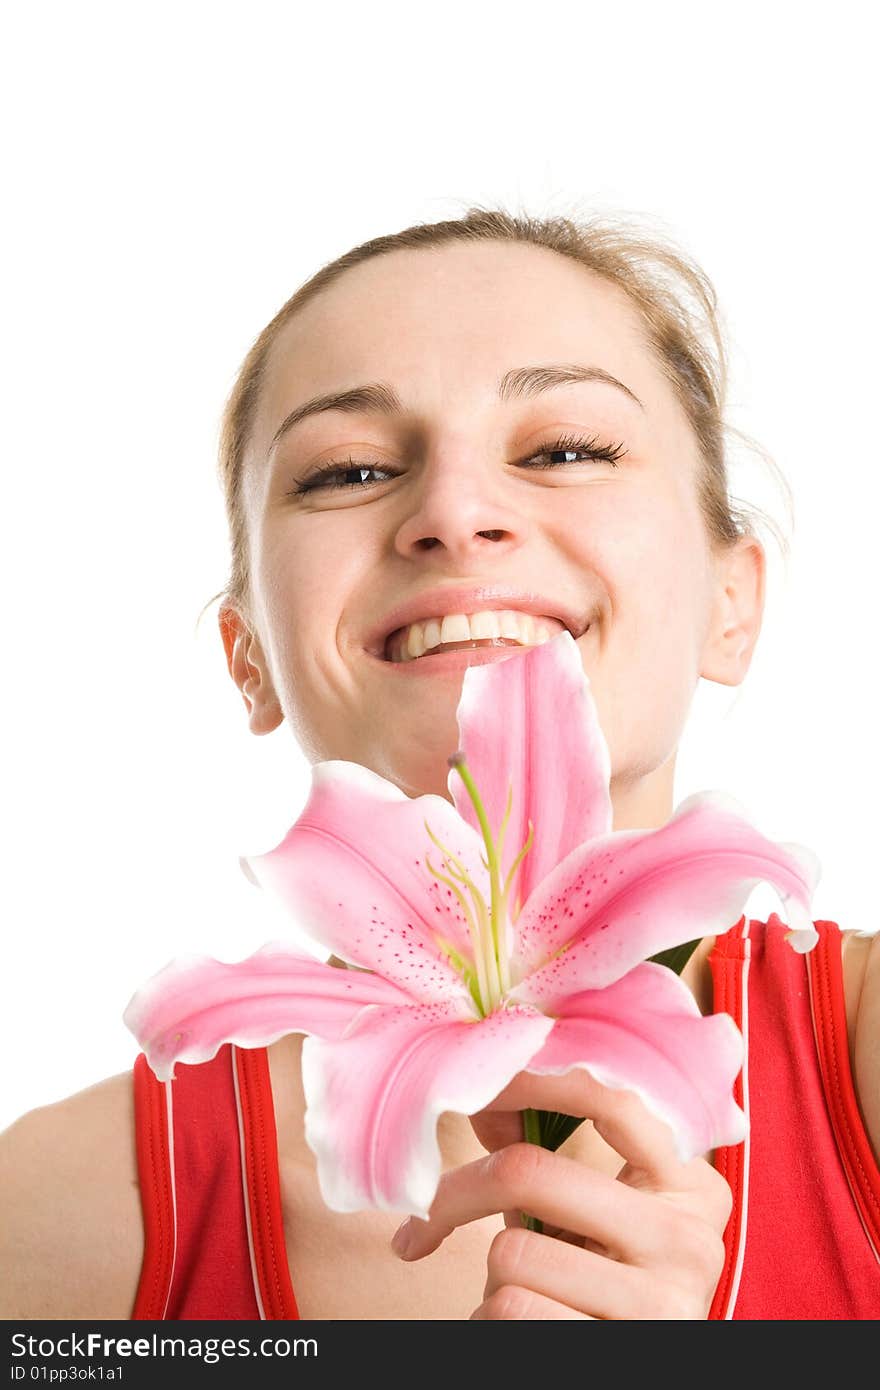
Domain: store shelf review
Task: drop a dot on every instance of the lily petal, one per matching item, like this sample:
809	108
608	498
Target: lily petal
625	897
352	872
374	1098
558	764
644	1033
187	1011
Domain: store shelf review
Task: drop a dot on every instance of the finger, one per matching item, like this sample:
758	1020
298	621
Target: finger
620	1117
497	1128
583	1281
560	1191
522	1305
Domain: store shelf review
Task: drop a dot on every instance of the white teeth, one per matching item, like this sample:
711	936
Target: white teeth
455	628
421	637
529	627
485	625
510	626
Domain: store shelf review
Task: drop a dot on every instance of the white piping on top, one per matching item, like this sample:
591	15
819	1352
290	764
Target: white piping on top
744	1209
169	1110
247	1206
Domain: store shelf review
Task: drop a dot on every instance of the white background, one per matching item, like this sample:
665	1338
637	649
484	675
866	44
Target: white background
172	174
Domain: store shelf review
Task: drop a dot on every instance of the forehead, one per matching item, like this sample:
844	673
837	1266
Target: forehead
444	324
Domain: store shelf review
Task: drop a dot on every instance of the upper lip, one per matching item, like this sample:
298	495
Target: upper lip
437	603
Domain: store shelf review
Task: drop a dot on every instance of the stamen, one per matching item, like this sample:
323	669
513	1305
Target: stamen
462	876
505	818
482	983
515	865
491	930
484	927
463	967
496	952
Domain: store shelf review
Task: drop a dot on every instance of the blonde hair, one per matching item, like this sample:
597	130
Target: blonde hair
672	294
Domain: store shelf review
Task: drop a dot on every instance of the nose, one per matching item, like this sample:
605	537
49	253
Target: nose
462	511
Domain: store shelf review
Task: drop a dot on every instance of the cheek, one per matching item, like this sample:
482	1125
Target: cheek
653	559
310	578
650	562
302	574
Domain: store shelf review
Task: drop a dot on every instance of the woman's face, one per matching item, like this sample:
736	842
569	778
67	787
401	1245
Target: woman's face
452	496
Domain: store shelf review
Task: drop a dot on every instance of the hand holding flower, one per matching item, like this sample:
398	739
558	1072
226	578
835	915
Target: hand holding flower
645	1244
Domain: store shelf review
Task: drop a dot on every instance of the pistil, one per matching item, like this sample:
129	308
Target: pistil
496	946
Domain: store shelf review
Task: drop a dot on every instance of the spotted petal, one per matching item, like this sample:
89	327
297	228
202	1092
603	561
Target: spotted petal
644	1033
352	871
188	1010
631	894
531	721
373	1099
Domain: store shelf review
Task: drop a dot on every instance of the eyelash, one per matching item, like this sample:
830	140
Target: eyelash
609	453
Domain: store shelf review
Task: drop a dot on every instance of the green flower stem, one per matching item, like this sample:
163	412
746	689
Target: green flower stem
532	1135
531	1127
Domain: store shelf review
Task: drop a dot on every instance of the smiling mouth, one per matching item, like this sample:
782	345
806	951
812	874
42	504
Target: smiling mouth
506	627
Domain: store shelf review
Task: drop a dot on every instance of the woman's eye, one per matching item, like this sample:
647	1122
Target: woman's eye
569	450
334	476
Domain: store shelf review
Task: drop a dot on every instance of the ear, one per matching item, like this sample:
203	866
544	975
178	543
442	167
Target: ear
249	669
737	611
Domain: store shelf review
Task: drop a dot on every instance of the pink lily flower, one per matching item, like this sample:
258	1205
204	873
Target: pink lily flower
528	951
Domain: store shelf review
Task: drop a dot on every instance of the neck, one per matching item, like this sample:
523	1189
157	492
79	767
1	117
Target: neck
643	802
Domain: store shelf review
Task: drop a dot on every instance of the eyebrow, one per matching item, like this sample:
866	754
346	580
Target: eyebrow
379	399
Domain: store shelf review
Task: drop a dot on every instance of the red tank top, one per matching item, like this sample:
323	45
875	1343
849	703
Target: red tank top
802	1242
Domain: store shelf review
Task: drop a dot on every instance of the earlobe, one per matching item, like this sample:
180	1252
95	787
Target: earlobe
249	668
737	612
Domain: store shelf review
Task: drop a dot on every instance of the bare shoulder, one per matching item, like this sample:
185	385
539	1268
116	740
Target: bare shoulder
71	1238
861	978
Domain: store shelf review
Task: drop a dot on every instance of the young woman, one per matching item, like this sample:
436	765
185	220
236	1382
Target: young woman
487	417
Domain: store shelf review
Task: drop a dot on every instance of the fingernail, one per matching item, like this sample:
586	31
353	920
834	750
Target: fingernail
402	1239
